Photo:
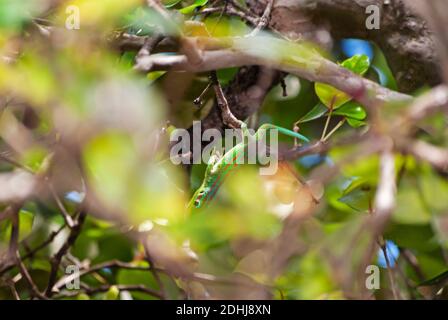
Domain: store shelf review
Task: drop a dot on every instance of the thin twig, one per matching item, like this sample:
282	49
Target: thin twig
148	46
14	254
56	260
411	259
227	116
109	264
67	218
13	289
336	128
390	272
436	156
365	91
264	20
35	250
104	288
386	191
154	271
25	274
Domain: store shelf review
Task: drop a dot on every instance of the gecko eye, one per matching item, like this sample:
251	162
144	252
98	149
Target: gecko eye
197	203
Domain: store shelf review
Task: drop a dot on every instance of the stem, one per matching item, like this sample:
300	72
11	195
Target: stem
340	124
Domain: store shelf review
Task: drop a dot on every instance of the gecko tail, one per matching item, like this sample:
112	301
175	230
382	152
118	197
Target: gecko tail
285	132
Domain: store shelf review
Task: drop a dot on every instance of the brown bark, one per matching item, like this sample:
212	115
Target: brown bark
404	36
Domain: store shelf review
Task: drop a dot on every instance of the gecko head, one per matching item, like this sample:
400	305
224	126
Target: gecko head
201	196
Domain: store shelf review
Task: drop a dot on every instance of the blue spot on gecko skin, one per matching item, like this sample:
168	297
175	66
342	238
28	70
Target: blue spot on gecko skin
351	47
393	252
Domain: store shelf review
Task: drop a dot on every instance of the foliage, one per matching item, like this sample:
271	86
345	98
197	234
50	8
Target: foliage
86	176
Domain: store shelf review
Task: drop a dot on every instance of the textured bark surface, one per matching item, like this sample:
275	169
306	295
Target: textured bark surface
404	36
245	94
247	91
436	13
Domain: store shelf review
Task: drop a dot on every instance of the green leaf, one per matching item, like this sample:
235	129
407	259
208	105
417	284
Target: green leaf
332	97
154	75
34	158
358	195
138	277
191	8
381	67
355	123
434	189
358	64
13	14
318	111
352	110
437	280
411	207
226	75
145	21
412	236
26	219
170	3
112	294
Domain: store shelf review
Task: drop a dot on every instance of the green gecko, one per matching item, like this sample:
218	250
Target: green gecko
219	167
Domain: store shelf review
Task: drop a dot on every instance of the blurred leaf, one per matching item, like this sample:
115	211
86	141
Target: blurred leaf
153	76
13	14
366	168
410	208
226	26
315	281
26	220
417	237
124	183
351	110
331	97
34	158
226	75
99	13
191	8
116	246
127	59
138	277
26	224
358	195
318	111
433	264
110	158
112	294
358	64
334	98
355	123
434	189
144	21
170	3
35	72
380	65
437	280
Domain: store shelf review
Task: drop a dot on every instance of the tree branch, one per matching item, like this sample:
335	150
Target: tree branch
367	92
